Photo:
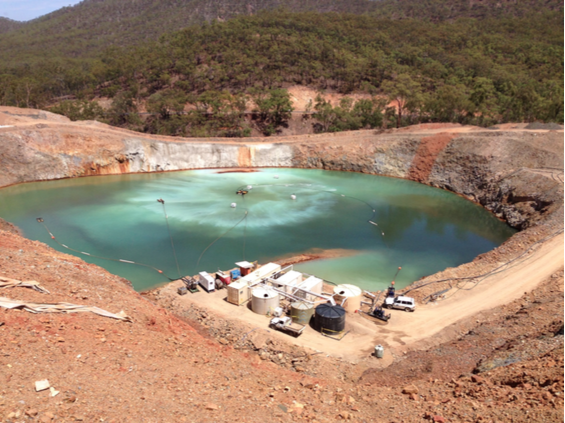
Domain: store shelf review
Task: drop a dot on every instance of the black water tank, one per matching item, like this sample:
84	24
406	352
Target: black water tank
329	318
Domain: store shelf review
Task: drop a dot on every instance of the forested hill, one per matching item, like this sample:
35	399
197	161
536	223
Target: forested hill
441	10
89	27
7	25
92	25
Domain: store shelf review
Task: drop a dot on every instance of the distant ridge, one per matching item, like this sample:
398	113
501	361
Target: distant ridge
7	25
93	25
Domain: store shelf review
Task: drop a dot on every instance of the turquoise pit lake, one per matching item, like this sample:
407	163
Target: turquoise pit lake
373	224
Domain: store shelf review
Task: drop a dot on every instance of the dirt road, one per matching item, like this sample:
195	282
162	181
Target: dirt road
405	329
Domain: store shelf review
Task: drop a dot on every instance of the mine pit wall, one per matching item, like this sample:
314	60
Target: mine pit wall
509	173
514	175
152	156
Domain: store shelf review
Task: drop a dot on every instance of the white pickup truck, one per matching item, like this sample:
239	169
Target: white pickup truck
286	324
400	303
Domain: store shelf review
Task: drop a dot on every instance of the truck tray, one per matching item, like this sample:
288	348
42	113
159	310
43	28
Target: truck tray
284	324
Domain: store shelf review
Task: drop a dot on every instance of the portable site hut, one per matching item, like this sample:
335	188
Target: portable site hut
288	282
312	284
244	267
239	291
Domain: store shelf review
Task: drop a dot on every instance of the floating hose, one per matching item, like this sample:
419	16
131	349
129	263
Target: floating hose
40	220
225	233
244	235
160	200
494	271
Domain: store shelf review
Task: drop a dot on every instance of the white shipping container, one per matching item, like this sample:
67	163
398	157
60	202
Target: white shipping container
206	281
289	281
312	284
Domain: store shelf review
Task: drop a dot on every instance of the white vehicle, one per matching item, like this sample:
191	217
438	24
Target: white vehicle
400	303
286	324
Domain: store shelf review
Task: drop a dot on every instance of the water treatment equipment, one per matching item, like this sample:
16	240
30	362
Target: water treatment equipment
312	284
289	281
264	300
261	273
329	319
238	292
349	296
301	312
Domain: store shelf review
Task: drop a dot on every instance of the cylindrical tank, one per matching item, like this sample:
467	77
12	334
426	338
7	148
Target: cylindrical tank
264	300
379	351
329	319
351	293
301	312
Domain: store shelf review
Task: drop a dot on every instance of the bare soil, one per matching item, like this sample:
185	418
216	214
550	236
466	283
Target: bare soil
195	363
490	349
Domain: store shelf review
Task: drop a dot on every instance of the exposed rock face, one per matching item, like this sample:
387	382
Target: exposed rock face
515	174
152	155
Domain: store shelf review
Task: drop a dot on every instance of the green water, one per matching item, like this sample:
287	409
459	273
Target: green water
425	229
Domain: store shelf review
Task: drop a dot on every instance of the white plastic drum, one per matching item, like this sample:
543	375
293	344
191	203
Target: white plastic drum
348	296
264	300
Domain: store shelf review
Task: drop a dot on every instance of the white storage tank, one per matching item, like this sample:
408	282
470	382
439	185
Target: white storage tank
349	296
264	300
312	284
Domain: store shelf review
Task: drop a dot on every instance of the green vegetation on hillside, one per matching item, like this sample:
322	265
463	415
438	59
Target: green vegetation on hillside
7	25
88	28
198	81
